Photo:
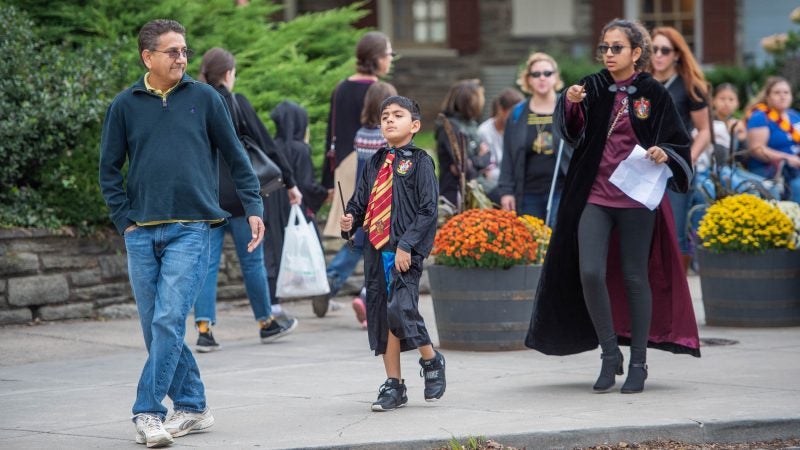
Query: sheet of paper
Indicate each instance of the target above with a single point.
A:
(641, 179)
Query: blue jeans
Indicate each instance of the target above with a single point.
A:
(344, 263)
(167, 264)
(253, 271)
(680, 203)
(792, 178)
(536, 205)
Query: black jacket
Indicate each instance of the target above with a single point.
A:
(512, 167)
(415, 193)
(344, 120)
(291, 122)
(249, 124)
(466, 131)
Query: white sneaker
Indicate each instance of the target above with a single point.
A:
(150, 430)
(184, 422)
(334, 306)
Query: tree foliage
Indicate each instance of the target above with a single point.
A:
(47, 97)
(66, 59)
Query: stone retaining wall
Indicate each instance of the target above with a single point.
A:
(53, 275)
(58, 275)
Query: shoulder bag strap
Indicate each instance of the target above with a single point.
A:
(236, 115)
(331, 152)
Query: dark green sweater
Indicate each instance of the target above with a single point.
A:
(172, 147)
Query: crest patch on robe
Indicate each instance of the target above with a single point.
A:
(404, 166)
(642, 108)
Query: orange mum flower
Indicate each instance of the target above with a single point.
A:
(488, 238)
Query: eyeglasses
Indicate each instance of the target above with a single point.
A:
(663, 50)
(537, 74)
(616, 49)
(174, 53)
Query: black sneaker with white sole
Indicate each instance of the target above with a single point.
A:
(206, 343)
(433, 373)
(391, 395)
(277, 330)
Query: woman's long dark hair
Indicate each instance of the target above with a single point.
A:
(371, 48)
(376, 94)
(216, 63)
(464, 100)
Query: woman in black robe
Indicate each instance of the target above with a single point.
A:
(603, 117)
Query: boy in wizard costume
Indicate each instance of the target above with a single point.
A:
(396, 203)
(603, 234)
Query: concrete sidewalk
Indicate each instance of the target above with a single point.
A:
(71, 385)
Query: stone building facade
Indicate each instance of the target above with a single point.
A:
(442, 41)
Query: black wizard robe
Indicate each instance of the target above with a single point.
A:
(560, 324)
(415, 191)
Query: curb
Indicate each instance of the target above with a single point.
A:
(695, 432)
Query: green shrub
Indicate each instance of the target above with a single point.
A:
(573, 69)
(301, 60)
(83, 54)
(748, 80)
(47, 97)
(51, 104)
(24, 207)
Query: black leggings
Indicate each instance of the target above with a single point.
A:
(635, 229)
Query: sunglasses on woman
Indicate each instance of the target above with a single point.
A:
(663, 50)
(537, 74)
(616, 49)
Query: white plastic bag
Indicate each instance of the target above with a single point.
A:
(302, 272)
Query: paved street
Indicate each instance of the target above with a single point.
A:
(71, 385)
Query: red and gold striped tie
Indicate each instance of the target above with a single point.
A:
(379, 210)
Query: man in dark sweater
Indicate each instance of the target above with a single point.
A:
(171, 130)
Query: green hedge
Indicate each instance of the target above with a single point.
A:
(66, 60)
(51, 106)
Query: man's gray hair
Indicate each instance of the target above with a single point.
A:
(152, 31)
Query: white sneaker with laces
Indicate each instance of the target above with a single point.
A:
(334, 306)
(184, 422)
(150, 431)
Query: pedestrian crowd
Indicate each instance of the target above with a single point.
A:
(615, 270)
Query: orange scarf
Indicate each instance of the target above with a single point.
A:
(779, 119)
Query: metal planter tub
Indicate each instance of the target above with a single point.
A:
(483, 309)
(751, 289)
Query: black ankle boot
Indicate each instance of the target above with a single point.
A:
(637, 373)
(612, 365)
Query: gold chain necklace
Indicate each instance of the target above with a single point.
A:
(619, 114)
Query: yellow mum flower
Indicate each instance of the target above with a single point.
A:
(746, 223)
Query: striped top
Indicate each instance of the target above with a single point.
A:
(367, 142)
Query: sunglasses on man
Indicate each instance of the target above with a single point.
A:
(174, 53)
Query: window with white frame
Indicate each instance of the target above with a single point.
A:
(679, 14)
(419, 22)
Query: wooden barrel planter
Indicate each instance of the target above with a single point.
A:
(483, 309)
(751, 289)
